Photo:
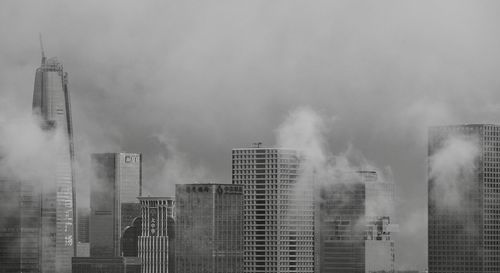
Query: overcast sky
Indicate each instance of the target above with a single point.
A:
(184, 82)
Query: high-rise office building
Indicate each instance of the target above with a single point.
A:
(156, 246)
(340, 227)
(209, 228)
(380, 224)
(31, 227)
(51, 102)
(10, 226)
(116, 184)
(354, 224)
(278, 219)
(379, 246)
(464, 198)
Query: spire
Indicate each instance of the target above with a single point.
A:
(41, 48)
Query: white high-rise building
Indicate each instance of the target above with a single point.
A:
(278, 220)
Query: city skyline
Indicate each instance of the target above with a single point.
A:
(184, 83)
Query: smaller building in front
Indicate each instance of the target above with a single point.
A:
(106, 264)
(83, 245)
(209, 228)
(355, 224)
(156, 249)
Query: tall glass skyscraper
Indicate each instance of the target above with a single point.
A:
(464, 198)
(354, 217)
(51, 102)
(116, 184)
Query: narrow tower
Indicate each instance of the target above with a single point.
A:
(51, 103)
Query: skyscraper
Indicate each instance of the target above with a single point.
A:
(51, 102)
(464, 198)
(209, 228)
(340, 227)
(380, 224)
(278, 220)
(116, 184)
(354, 217)
(10, 226)
(156, 242)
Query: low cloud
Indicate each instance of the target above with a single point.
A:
(453, 170)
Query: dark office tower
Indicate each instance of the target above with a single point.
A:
(156, 240)
(10, 226)
(115, 187)
(464, 198)
(51, 102)
(354, 214)
(209, 228)
(341, 227)
(278, 220)
(130, 238)
(31, 223)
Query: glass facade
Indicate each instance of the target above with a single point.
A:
(340, 213)
(113, 200)
(83, 225)
(465, 238)
(52, 103)
(10, 226)
(209, 228)
(354, 214)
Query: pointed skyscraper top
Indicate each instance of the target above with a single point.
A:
(41, 48)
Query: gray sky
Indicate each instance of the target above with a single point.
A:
(183, 82)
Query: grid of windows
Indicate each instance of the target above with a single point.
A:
(468, 241)
(51, 102)
(114, 190)
(156, 240)
(209, 228)
(278, 221)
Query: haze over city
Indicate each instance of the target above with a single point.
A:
(184, 82)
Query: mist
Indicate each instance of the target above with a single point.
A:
(306, 131)
(453, 168)
(27, 152)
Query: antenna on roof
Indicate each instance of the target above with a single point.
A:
(257, 144)
(41, 48)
